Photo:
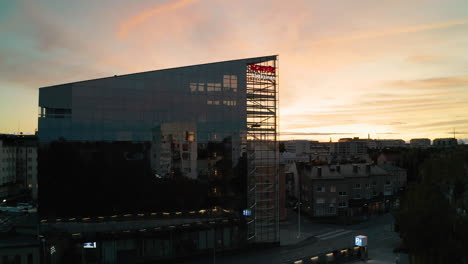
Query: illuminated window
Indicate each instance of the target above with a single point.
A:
(234, 83)
(230, 83)
(193, 87)
(47, 112)
(190, 136)
(213, 87)
(201, 87)
(210, 87)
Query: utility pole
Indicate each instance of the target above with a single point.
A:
(299, 208)
(214, 246)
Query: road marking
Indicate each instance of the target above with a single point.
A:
(329, 233)
(335, 235)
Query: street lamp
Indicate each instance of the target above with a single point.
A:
(299, 209)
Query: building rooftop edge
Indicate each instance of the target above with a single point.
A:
(173, 68)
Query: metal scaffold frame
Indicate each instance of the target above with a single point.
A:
(262, 151)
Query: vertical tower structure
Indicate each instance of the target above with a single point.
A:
(262, 151)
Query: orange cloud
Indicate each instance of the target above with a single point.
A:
(395, 31)
(133, 21)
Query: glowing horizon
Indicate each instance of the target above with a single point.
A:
(391, 70)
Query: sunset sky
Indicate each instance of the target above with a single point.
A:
(394, 69)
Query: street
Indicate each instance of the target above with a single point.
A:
(317, 238)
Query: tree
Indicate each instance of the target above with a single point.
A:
(432, 218)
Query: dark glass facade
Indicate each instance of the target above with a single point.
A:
(173, 142)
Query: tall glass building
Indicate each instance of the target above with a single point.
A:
(183, 143)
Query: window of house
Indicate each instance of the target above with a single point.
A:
(357, 186)
(342, 193)
(367, 185)
(342, 204)
(320, 200)
(320, 189)
(357, 196)
(332, 188)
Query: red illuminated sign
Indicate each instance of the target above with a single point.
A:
(259, 68)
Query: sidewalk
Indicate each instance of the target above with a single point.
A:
(288, 237)
(379, 260)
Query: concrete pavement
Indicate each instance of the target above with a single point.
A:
(323, 238)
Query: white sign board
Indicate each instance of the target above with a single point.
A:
(360, 241)
(89, 245)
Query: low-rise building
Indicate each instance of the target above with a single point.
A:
(349, 147)
(349, 189)
(391, 158)
(445, 142)
(18, 165)
(298, 146)
(19, 242)
(420, 143)
(390, 143)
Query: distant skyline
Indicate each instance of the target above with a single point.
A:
(393, 69)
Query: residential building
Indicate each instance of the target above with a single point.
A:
(350, 148)
(390, 143)
(420, 143)
(348, 190)
(18, 166)
(445, 142)
(299, 147)
(392, 158)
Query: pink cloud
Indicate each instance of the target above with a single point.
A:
(135, 20)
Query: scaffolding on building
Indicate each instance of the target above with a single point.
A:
(262, 151)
